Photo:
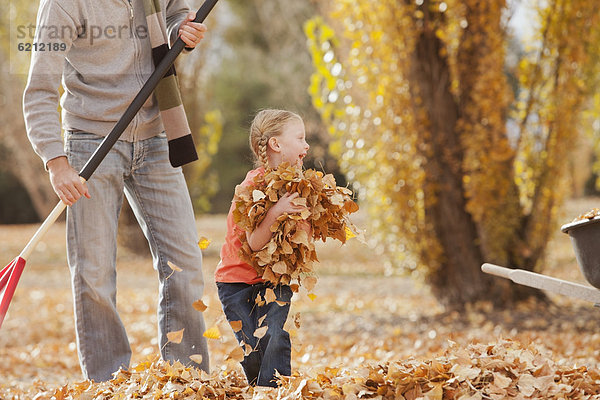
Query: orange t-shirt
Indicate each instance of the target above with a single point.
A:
(231, 268)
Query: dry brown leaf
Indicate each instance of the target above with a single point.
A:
(176, 336)
(174, 267)
(199, 305)
(262, 319)
(270, 295)
(197, 358)
(291, 252)
(237, 354)
(236, 325)
(260, 332)
(310, 283)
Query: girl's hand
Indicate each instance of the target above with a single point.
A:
(260, 236)
(285, 205)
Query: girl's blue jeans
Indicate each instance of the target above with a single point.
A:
(272, 352)
(158, 195)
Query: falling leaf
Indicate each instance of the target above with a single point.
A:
(310, 283)
(297, 320)
(174, 267)
(349, 233)
(199, 305)
(197, 358)
(312, 296)
(237, 354)
(203, 243)
(175, 337)
(212, 333)
(260, 332)
(236, 325)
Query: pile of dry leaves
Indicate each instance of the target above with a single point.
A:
(503, 370)
(591, 214)
(290, 253)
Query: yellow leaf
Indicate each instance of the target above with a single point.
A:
(312, 296)
(203, 243)
(175, 337)
(349, 233)
(236, 325)
(199, 306)
(212, 333)
(197, 358)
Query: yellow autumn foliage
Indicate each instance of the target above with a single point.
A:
(505, 131)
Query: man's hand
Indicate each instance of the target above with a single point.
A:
(191, 32)
(66, 182)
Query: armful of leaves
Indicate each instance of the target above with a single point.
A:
(290, 253)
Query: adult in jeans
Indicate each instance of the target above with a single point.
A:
(103, 57)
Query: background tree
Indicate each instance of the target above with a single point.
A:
(455, 167)
(265, 64)
(19, 165)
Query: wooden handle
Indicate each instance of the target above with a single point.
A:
(496, 270)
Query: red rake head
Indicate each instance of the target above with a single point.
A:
(9, 277)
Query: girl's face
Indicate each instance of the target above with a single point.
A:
(290, 146)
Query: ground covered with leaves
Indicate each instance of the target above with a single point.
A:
(365, 333)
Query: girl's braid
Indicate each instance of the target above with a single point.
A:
(262, 150)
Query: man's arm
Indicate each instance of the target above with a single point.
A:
(41, 95)
(41, 98)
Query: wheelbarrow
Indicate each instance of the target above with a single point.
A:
(585, 238)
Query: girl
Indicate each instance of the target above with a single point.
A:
(276, 136)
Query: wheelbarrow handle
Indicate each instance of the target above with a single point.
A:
(496, 270)
(543, 282)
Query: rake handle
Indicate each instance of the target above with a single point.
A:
(139, 100)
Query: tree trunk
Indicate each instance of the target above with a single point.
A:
(22, 161)
(459, 279)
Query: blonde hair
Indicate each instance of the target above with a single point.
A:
(266, 124)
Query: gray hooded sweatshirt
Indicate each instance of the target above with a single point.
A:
(101, 52)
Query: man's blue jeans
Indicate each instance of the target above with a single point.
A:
(158, 195)
(272, 352)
